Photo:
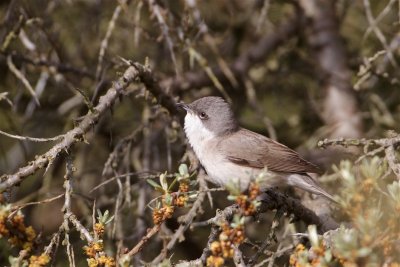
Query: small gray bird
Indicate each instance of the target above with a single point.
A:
(233, 156)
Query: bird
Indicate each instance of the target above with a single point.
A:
(232, 155)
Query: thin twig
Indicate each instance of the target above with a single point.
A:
(104, 43)
(154, 230)
(68, 215)
(74, 135)
(378, 32)
(22, 78)
(187, 220)
(383, 144)
(33, 139)
(156, 9)
(48, 200)
(253, 55)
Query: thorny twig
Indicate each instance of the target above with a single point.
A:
(48, 200)
(54, 242)
(67, 210)
(388, 145)
(68, 215)
(75, 135)
(53, 66)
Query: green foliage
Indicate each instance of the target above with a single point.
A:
(369, 199)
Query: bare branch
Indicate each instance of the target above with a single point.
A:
(187, 220)
(75, 134)
(154, 230)
(22, 78)
(33, 139)
(388, 145)
(252, 55)
(104, 43)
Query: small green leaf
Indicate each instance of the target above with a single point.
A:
(168, 199)
(154, 184)
(183, 169)
(172, 184)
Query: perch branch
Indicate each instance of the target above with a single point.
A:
(274, 200)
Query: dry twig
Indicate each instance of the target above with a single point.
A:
(76, 134)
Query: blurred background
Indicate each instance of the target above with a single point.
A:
(296, 71)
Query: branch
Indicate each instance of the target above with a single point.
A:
(143, 241)
(388, 145)
(59, 67)
(68, 215)
(22, 78)
(74, 135)
(33, 139)
(187, 220)
(148, 79)
(104, 43)
(274, 200)
(270, 200)
(157, 11)
(251, 56)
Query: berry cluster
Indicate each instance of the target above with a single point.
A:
(18, 234)
(248, 203)
(163, 213)
(95, 250)
(223, 248)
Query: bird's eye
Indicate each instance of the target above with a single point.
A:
(203, 115)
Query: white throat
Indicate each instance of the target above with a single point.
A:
(197, 133)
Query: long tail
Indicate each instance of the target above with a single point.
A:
(308, 184)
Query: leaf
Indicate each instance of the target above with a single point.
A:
(183, 169)
(172, 184)
(154, 184)
(168, 199)
(163, 181)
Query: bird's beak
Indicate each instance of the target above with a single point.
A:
(184, 106)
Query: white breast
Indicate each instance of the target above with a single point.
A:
(219, 170)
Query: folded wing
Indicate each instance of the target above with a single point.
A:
(250, 149)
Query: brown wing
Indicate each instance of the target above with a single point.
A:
(250, 149)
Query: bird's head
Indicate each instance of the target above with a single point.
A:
(210, 115)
